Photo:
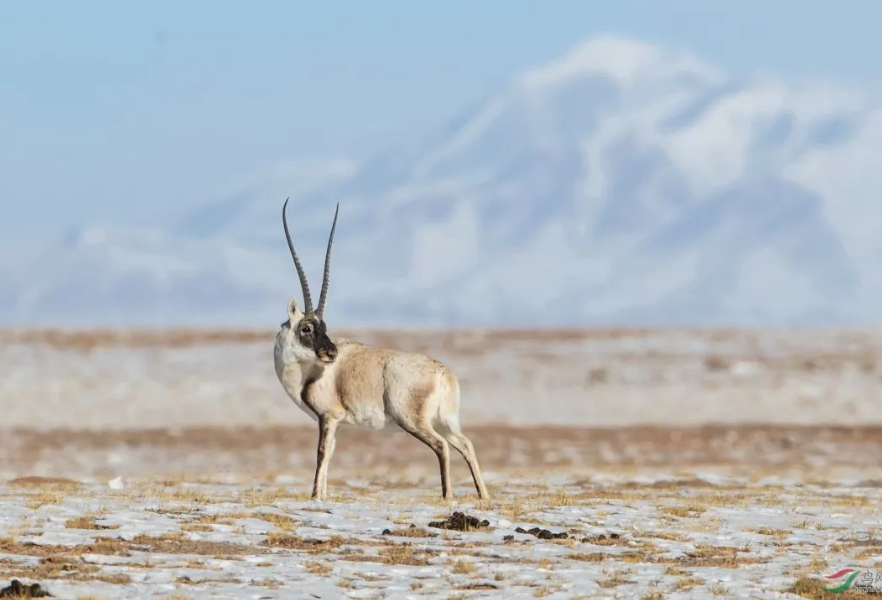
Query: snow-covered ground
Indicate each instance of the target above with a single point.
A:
(679, 464)
(700, 533)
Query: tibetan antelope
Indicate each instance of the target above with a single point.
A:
(342, 382)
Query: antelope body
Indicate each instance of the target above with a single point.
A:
(342, 382)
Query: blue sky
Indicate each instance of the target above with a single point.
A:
(125, 112)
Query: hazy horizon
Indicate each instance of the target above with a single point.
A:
(680, 163)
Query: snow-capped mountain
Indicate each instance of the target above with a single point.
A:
(622, 183)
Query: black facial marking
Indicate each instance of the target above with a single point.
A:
(318, 340)
(313, 333)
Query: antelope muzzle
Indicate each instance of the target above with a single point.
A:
(325, 349)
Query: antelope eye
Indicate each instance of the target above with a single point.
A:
(306, 329)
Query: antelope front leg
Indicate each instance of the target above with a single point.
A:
(329, 452)
(326, 444)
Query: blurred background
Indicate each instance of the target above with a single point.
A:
(600, 214)
(501, 164)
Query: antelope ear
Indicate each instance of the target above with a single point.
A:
(294, 313)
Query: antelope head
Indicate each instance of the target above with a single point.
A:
(304, 334)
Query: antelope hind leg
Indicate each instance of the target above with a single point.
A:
(464, 446)
(433, 440)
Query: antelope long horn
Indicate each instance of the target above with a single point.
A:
(304, 285)
(323, 298)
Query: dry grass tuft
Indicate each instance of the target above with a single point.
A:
(254, 498)
(687, 583)
(317, 568)
(283, 522)
(554, 499)
(403, 554)
(224, 518)
(412, 532)
(115, 578)
(43, 497)
(296, 542)
(60, 567)
(463, 567)
(189, 495)
(814, 589)
(715, 556)
(86, 522)
(615, 580)
(668, 535)
(177, 543)
(51, 567)
(693, 511)
(610, 541)
(777, 533)
(593, 557)
(197, 527)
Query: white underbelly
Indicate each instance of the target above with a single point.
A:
(374, 420)
(390, 427)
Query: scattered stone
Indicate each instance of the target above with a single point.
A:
(460, 522)
(16, 589)
(507, 538)
(387, 532)
(544, 534)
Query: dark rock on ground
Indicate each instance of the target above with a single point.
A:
(544, 534)
(16, 589)
(460, 522)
